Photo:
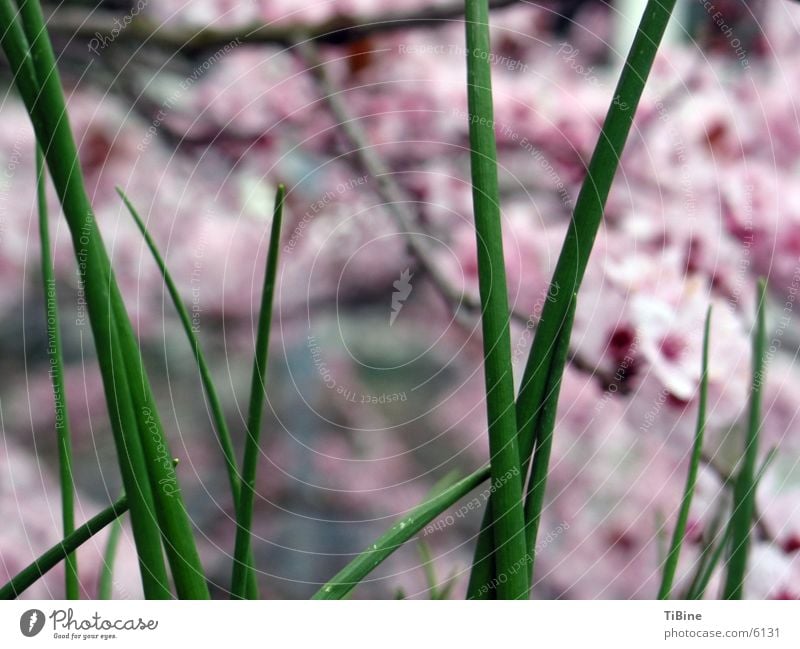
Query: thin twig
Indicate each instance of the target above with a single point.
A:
(77, 24)
(394, 198)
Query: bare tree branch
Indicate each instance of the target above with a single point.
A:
(395, 200)
(398, 205)
(105, 26)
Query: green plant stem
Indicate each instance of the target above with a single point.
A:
(483, 562)
(66, 178)
(133, 467)
(537, 485)
(54, 348)
(172, 517)
(214, 402)
(356, 571)
(744, 492)
(105, 585)
(679, 533)
(587, 215)
(215, 405)
(426, 557)
(698, 589)
(162, 510)
(579, 240)
(31, 574)
(508, 528)
(711, 555)
(242, 567)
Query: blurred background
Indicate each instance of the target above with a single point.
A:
(375, 388)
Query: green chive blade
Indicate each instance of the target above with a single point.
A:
(679, 533)
(54, 349)
(242, 568)
(741, 521)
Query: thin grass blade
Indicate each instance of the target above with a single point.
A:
(105, 585)
(578, 243)
(215, 405)
(426, 558)
(679, 533)
(537, 485)
(617, 126)
(54, 350)
(55, 555)
(483, 562)
(713, 553)
(140, 432)
(242, 566)
(508, 527)
(715, 556)
(402, 531)
(588, 214)
(744, 493)
(67, 179)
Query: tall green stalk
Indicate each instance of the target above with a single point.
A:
(66, 178)
(537, 485)
(712, 554)
(508, 521)
(744, 491)
(574, 255)
(242, 565)
(157, 510)
(173, 521)
(54, 349)
(105, 585)
(145, 462)
(215, 404)
(679, 533)
(578, 243)
(588, 214)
